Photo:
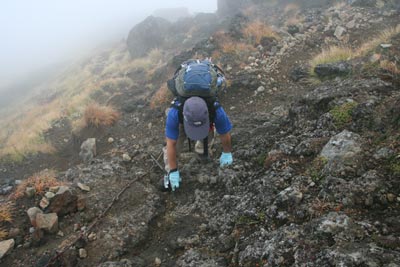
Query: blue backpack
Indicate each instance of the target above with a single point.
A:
(197, 78)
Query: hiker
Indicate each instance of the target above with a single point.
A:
(195, 113)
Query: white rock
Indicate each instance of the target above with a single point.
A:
(49, 195)
(82, 253)
(83, 187)
(157, 261)
(126, 157)
(6, 246)
(384, 46)
(261, 89)
(44, 203)
(351, 24)
(110, 140)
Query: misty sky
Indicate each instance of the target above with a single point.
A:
(35, 33)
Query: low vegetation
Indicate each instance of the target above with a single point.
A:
(96, 115)
(40, 182)
(342, 115)
(105, 74)
(6, 218)
(334, 54)
(162, 96)
(257, 30)
(315, 169)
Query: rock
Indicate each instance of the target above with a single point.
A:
(54, 189)
(110, 140)
(126, 157)
(333, 69)
(14, 232)
(64, 202)
(124, 263)
(385, 46)
(391, 197)
(49, 195)
(343, 154)
(147, 35)
(44, 203)
(383, 153)
(47, 222)
(83, 187)
(6, 246)
(260, 89)
(92, 236)
(81, 203)
(297, 73)
(88, 150)
(339, 32)
(157, 261)
(293, 29)
(30, 192)
(363, 3)
(82, 253)
(351, 24)
(32, 212)
(6, 190)
(37, 237)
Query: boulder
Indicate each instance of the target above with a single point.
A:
(6, 246)
(64, 201)
(343, 154)
(88, 149)
(32, 212)
(147, 35)
(328, 70)
(47, 222)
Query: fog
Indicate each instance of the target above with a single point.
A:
(37, 34)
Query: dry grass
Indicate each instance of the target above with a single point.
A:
(381, 38)
(97, 115)
(3, 234)
(162, 96)
(257, 30)
(40, 181)
(390, 67)
(6, 211)
(330, 55)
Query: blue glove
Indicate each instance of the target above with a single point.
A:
(174, 179)
(226, 159)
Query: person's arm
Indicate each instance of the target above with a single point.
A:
(171, 153)
(226, 142)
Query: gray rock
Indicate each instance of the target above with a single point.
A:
(49, 195)
(123, 263)
(383, 153)
(64, 202)
(82, 253)
(343, 154)
(30, 192)
(6, 246)
(339, 31)
(351, 24)
(88, 150)
(333, 69)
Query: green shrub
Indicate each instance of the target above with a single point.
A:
(342, 115)
(314, 171)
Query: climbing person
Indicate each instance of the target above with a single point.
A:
(195, 113)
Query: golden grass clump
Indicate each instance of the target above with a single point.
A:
(257, 30)
(162, 96)
(381, 38)
(97, 115)
(389, 66)
(40, 181)
(3, 234)
(330, 55)
(6, 211)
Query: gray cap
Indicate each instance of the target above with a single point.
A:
(196, 121)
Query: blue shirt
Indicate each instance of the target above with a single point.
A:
(222, 123)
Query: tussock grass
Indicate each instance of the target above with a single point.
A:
(343, 53)
(41, 181)
(390, 67)
(257, 30)
(381, 38)
(330, 55)
(21, 131)
(3, 234)
(162, 96)
(97, 115)
(6, 211)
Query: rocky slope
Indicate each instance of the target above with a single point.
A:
(315, 179)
